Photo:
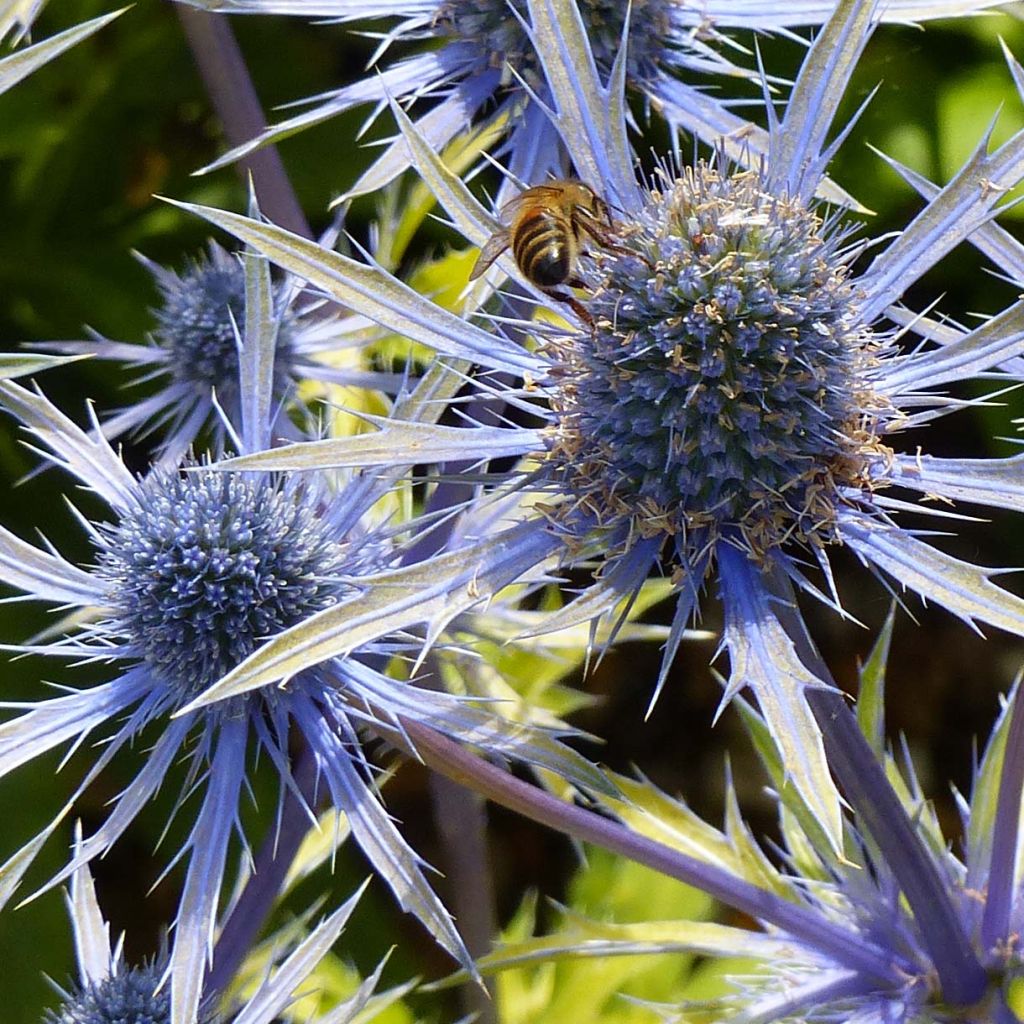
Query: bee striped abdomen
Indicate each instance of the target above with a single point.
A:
(542, 248)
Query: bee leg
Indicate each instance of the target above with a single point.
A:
(604, 235)
(572, 302)
(580, 310)
(620, 250)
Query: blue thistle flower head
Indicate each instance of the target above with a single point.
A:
(657, 38)
(204, 565)
(128, 997)
(194, 349)
(110, 991)
(197, 323)
(722, 388)
(484, 56)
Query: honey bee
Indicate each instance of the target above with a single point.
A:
(546, 229)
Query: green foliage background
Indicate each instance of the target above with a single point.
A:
(84, 145)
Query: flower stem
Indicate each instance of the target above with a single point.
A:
(845, 947)
(233, 95)
(461, 818)
(459, 813)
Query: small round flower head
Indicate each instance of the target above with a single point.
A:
(197, 568)
(728, 395)
(193, 351)
(128, 997)
(498, 28)
(197, 323)
(109, 991)
(204, 565)
(488, 58)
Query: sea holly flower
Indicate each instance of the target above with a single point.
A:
(110, 991)
(865, 952)
(193, 572)
(487, 65)
(727, 398)
(193, 351)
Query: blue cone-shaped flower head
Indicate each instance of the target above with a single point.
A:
(110, 991)
(196, 323)
(204, 565)
(485, 66)
(129, 997)
(195, 571)
(723, 388)
(728, 395)
(193, 353)
(658, 37)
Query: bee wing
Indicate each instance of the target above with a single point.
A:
(554, 192)
(493, 248)
(507, 210)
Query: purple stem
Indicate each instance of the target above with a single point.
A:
(461, 819)
(264, 885)
(814, 930)
(233, 95)
(995, 922)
